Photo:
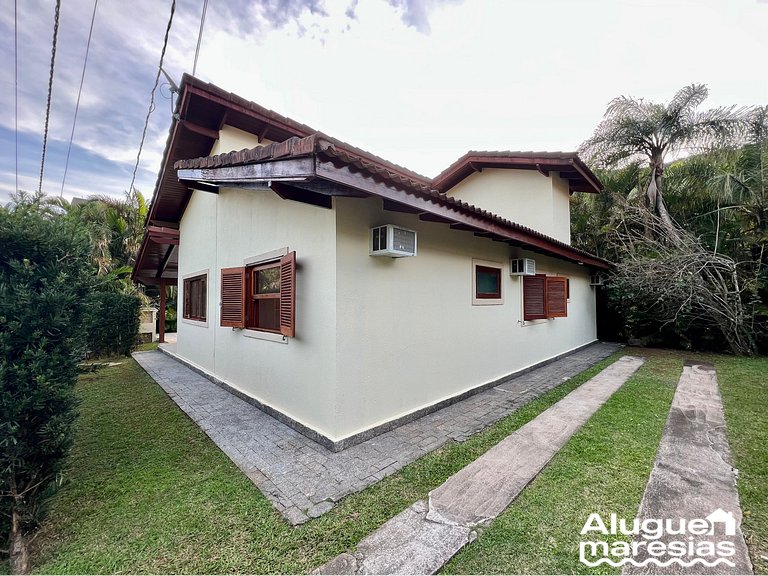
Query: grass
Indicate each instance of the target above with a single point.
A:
(605, 466)
(145, 347)
(744, 388)
(148, 492)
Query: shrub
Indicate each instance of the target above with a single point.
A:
(45, 279)
(112, 324)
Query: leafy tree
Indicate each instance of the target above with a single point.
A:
(45, 277)
(636, 129)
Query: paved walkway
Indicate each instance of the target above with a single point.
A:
(304, 479)
(425, 536)
(692, 476)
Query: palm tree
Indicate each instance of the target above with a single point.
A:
(635, 129)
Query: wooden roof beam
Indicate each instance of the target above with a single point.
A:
(201, 130)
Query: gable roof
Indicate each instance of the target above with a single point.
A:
(338, 169)
(567, 164)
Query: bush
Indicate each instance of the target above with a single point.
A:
(45, 279)
(112, 324)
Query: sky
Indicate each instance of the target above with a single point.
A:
(417, 82)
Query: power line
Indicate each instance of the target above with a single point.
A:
(16, 85)
(79, 92)
(200, 35)
(50, 90)
(152, 94)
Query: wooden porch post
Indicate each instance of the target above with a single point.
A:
(162, 311)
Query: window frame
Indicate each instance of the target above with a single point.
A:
(189, 313)
(251, 307)
(236, 293)
(487, 298)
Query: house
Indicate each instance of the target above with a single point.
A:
(274, 234)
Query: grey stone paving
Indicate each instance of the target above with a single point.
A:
(422, 538)
(692, 478)
(304, 479)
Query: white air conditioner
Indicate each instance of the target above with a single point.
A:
(522, 267)
(596, 280)
(393, 241)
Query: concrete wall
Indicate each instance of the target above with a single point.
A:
(526, 197)
(408, 334)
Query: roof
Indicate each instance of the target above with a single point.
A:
(567, 164)
(369, 178)
(201, 111)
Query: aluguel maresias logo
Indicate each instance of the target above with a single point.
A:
(664, 542)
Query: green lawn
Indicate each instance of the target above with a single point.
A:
(605, 466)
(148, 492)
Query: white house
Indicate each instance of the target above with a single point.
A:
(275, 234)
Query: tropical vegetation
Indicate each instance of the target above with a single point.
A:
(65, 292)
(684, 216)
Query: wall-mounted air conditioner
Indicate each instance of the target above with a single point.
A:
(596, 280)
(393, 241)
(522, 267)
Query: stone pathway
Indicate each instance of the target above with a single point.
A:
(424, 537)
(692, 476)
(304, 479)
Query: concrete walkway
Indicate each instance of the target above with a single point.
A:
(692, 476)
(425, 536)
(304, 479)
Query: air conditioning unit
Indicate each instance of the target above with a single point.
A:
(393, 241)
(596, 280)
(522, 267)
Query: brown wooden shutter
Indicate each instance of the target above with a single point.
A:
(187, 300)
(233, 297)
(557, 297)
(288, 295)
(534, 297)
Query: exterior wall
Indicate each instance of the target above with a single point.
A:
(296, 375)
(232, 139)
(408, 335)
(526, 197)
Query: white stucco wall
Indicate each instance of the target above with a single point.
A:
(297, 376)
(233, 139)
(526, 197)
(408, 335)
(376, 338)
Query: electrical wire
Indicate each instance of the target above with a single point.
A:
(50, 91)
(16, 85)
(200, 35)
(79, 92)
(152, 95)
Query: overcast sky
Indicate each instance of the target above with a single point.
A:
(418, 82)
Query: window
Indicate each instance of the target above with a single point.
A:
(195, 297)
(486, 283)
(545, 297)
(263, 306)
(261, 297)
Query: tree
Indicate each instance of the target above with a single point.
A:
(634, 129)
(45, 278)
(680, 283)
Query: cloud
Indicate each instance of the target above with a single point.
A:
(416, 12)
(247, 18)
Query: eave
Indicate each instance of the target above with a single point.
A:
(312, 164)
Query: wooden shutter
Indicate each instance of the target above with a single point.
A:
(557, 297)
(233, 297)
(534, 297)
(186, 306)
(288, 295)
